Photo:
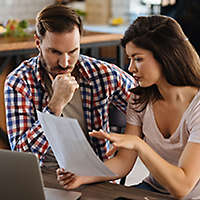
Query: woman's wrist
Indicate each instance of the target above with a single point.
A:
(139, 144)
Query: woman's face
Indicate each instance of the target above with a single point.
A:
(144, 67)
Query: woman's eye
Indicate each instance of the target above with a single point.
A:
(138, 59)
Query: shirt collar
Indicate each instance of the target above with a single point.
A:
(85, 67)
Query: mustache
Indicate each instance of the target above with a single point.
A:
(56, 68)
(59, 67)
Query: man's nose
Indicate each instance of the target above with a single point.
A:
(64, 60)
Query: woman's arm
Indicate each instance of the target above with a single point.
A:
(121, 164)
(125, 159)
(178, 180)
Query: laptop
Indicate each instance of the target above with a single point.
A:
(21, 179)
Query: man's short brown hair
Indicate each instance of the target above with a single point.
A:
(57, 18)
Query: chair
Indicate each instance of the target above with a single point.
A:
(4, 143)
(117, 120)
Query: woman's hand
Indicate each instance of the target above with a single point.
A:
(69, 180)
(125, 141)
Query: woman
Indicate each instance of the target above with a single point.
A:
(163, 116)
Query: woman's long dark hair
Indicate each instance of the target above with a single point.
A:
(179, 61)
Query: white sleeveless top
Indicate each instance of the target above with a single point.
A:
(171, 148)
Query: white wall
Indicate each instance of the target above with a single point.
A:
(120, 8)
(128, 9)
(21, 9)
(137, 174)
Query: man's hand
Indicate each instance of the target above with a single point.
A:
(64, 86)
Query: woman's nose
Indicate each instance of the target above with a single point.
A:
(132, 67)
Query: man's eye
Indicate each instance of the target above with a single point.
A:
(55, 52)
(72, 52)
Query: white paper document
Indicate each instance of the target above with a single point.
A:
(70, 146)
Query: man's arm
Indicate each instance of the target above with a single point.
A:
(23, 128)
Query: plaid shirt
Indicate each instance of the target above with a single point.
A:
(100, 84)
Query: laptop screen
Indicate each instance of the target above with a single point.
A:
(20, 179)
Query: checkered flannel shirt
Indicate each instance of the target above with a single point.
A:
(101, 83)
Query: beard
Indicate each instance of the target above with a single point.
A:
(57, 69)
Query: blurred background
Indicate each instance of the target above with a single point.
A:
(114, 13)
(97, 11)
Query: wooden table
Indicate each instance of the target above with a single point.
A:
(17, 48)
(108, 191)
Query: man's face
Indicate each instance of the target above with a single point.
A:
(59, 51)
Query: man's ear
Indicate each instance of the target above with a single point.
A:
(37, 41)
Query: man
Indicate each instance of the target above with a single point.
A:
(62, 82)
